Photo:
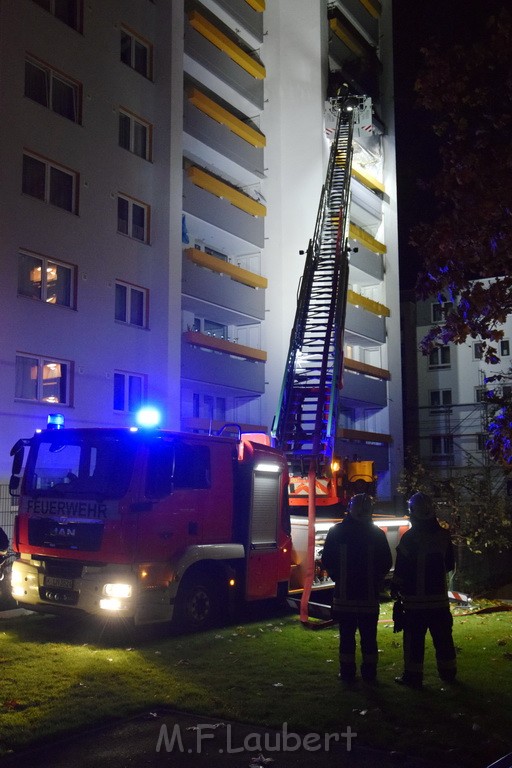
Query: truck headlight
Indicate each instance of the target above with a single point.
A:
(118, 590)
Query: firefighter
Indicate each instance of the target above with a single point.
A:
(424, 557)
(357, 556)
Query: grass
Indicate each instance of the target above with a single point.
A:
(59, 677)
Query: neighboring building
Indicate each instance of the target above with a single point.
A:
(447, 425)
(162, 166)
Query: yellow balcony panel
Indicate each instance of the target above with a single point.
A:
(221, 115)
(370, 370)
(369, 304)
(222, 345)
(369, 181)
(374, 7)
(359, 234)
(225, 191)
(347, 37)
(368, 437)
(225, 268)
(258, 5)
(224, 43)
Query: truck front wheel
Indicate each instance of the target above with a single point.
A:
(198, 603)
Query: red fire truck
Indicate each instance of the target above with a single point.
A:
(148, 524)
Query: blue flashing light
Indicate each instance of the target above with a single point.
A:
(148, 417)
(55, 421)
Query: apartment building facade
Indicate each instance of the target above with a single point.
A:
(162, 165)
(448, 414)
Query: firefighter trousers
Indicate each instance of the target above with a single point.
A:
(439, 622)
(366, 624)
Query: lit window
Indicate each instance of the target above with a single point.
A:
(131, 304)
(132, 218)
(46, 280)
(68, 11)
(136, 52)
(134, 135)
(439, 357)
(52, 90)
(42, 380)
(49, 183)
(128, 391)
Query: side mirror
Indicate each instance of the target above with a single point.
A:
(18, 454)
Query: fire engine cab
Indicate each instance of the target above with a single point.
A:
(148, 524)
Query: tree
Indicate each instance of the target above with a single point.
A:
(466, 251)
(469, 502)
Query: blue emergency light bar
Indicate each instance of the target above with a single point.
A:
(148, 417)
(55, 421)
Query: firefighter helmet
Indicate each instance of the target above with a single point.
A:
(360, 506)
(421, 507)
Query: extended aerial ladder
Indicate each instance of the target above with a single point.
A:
(305, 423)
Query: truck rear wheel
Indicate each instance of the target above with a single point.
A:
(198, 603)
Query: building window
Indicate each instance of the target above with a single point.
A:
(482, 441)
(52, 90)
(480, 394)
(50, 183)
(208, 407)
(440, 398)
(129, 391)
(134, 135)
(46, 280)
(131, 304)
(136, 52)
(68, 11)
(42, 380)
(478, 350)
(439, 311)
(504, 348)
(439, 357)
(442, 445)
(133, 218)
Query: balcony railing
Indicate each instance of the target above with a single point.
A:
(225, 191)
(225, 268)
(366, 240)
(223, 345)
(369, 370)
(223, 116)
(225, 44)
(369, 304)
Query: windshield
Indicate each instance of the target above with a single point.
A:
(63, 465)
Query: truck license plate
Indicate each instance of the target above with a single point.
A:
(54, 581)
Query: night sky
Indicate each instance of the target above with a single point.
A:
(415, 23)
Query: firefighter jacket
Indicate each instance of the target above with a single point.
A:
(424, 557)
(356, 556)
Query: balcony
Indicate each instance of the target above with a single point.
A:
(215, 58)
(366, 205)
(355, 52)
(208, 280)
(364, 15)
(216, 138)
(221, 205)
(363, 327)
(364, 389)
(211, 360)
(205, 426)
(244, 15)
